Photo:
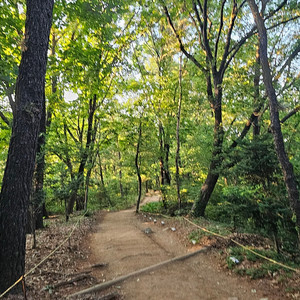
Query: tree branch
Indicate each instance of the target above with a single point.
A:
(288, 61)
(182, 48)
(4, 118)
(70, 133)
(253, 31)
(273, 12)
(223, 65)
(198, 31)
(290, 114)
(204, 33)
(220, 29)
(239, 44)
(198, 15)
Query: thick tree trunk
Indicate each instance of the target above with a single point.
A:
(17, 180)
(287, 168)
(206, 191)
(138, 172)
(216, 160)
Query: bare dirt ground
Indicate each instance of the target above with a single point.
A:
(120, 242)
(112, 244)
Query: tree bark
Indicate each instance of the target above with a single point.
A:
(106, 194)
(120, 175)
(255, 123)
(17, 180)
(86, 153)
(216, 160)
(164, 156)
(177, 158)
(138, 171)
(286, 166)
(90, 163)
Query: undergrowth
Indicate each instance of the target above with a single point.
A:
(238, 259)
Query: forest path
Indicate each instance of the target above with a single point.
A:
(120, 241)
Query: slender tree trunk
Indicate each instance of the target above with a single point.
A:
(106, 195)
(86, 193)
(120, 175)
(91, 163)
(101, 171)
(138, 172)
(163, 179)
(161, 158)
(256, 80)
(177, 158)
(286, 166)
(18, 175)
(164, 156)
(166, 164)
(165, 176)
(86, 153)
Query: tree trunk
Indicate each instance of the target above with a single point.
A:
(106, 195)
(86, 153)
(87, 183)
(255, 123)
(177, 158)
(165, 178)
(216, 160)
(120, 176)
(286, 166)
(91, 163)
(164, 157)
(166, 164)
(17, 180)
(138, 172)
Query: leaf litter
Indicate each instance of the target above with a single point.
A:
(63, 273)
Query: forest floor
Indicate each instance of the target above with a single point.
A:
(113, 244)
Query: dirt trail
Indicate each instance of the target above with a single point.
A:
(121, 242)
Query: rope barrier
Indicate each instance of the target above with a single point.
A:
(244, 247)
(47, 257)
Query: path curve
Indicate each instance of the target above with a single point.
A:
(121, 242)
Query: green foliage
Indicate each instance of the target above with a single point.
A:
(153, 207)
(256, 161)
(254, 198)
(236, 256)
(125, 55)
(255, 266)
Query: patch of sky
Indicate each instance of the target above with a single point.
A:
(70, 96)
